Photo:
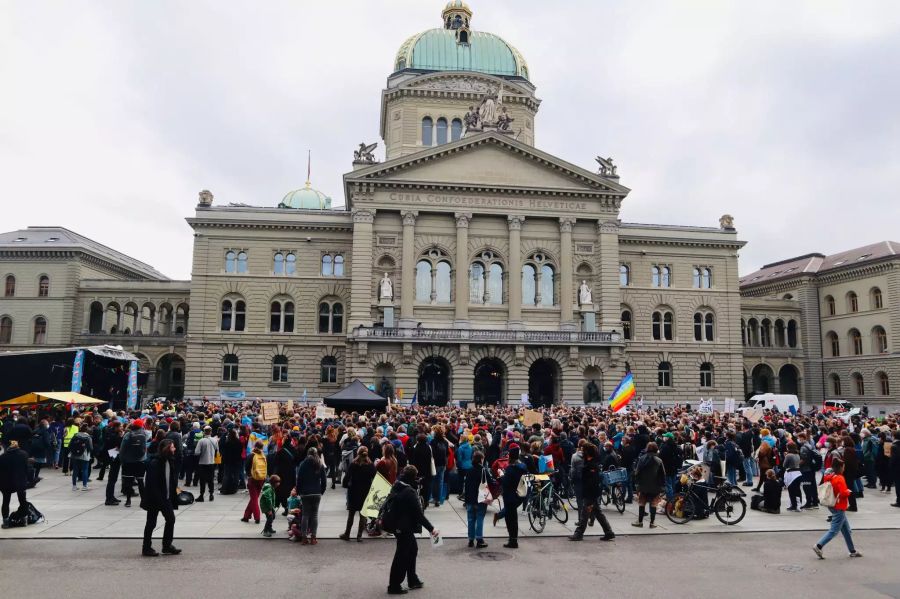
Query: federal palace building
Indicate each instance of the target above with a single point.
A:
(468, 264)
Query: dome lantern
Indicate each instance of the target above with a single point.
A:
(456, 16)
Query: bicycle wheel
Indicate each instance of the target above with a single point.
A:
(559, 509)
(730, 510)
(604, 495)
(534, 516)
(679, 509)
(618, 497)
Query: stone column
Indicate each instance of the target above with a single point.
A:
(610, 294)
(515, 270)
(408, 269)
(565, 272)
(87, 319)
(361, 268)
(462, 269)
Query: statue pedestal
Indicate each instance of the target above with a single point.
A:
(387, 308)
(588, 319)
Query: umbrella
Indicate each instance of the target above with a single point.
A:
(36, 397)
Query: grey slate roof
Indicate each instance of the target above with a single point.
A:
(820, 263)
(59, 238)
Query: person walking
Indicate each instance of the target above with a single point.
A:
(359, 480)
(80, 448)
(133, 452)
(258, 471)
(206, 451)
(590, 505)
(509, 484)
(839, 521)
(159, 497)
(477, 475)
(650, 478)
(112, 440)
(13, 478)
(405, 519)
(70, 431)
(311, 483)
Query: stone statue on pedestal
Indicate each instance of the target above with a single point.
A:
(584, 295)
(387, 288)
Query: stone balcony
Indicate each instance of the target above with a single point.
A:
(499, 336)
(784, 352)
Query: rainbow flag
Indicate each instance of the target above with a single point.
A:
(623, 393)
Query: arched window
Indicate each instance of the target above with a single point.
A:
(338, 265)
(547, 286)
(441, 131)
(280, 369)
(624, 275)
(331, 318)
(834, 343)
(327, 265)
(242, 262)
(876, 302)
(626, 324)
(852, 302)
(423, 281)
(665, 276)
(835, 384)
(44, 286)
(290, 264)
(856, 342)
(433, 277)
(10, 290)
(792, 333)
(829, 306)
(230, 261)
(281, 317)
(654, 276)
(427, 131)
(662, 321)
(706, 375)
(476, 283)
(704, 326)
(40, 331)
(765, 333)
(706, 278)
(456, 128)
(859, 385)
(753, 332)
(744, 333)
(278, 264)
(494, 291)
(234, 313)
(5, 330)
(529, 287)
(779, 333)
(664, 374)
(696, 277)
(486, 280)
(230, 364)
(879, 340)
(538, 281)
(328, 373)
(884, 387)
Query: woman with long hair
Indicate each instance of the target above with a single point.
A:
(331, 453)
(360, 477)
(311, 484)
(839, 522)
(475, 509)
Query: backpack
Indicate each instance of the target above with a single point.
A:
(827, 496)
(77, 445)
(387, 515)
(815, 460)
(26, 514)
(134, 449)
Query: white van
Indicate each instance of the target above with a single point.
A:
(770, 401)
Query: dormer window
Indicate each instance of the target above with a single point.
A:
(462, 36)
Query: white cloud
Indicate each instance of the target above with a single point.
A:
(114, 115)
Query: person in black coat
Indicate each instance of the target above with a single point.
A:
(590, 505)
(112, 439)
(509, 483)
(359, 480)
(13, 477)
(160, 490)
(284, 463)
(410, 521)
(421, 458)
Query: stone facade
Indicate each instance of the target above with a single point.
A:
(847, 312)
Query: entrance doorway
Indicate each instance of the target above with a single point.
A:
(788, 379)
(763, 379)
(170, 377)
(543, 383)
(490, 375)
(434, 382)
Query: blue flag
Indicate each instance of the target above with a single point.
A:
(414, 398)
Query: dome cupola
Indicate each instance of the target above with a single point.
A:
(306, 198)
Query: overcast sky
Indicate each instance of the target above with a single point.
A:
(114, 114)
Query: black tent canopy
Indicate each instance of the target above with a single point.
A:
(356, 396)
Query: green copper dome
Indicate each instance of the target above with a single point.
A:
(306, 198)
(457, 48)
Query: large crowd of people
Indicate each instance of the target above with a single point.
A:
(431, 453)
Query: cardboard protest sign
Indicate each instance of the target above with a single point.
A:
(324, 412)
(268, 412)
(532, 417)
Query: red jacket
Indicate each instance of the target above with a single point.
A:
(840, 490)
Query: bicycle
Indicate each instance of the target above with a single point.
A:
(612, 487)
(728, 504)
(543, 502)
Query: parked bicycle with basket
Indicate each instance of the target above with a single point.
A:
(693, 501)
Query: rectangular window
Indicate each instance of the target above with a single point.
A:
(230, 372)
